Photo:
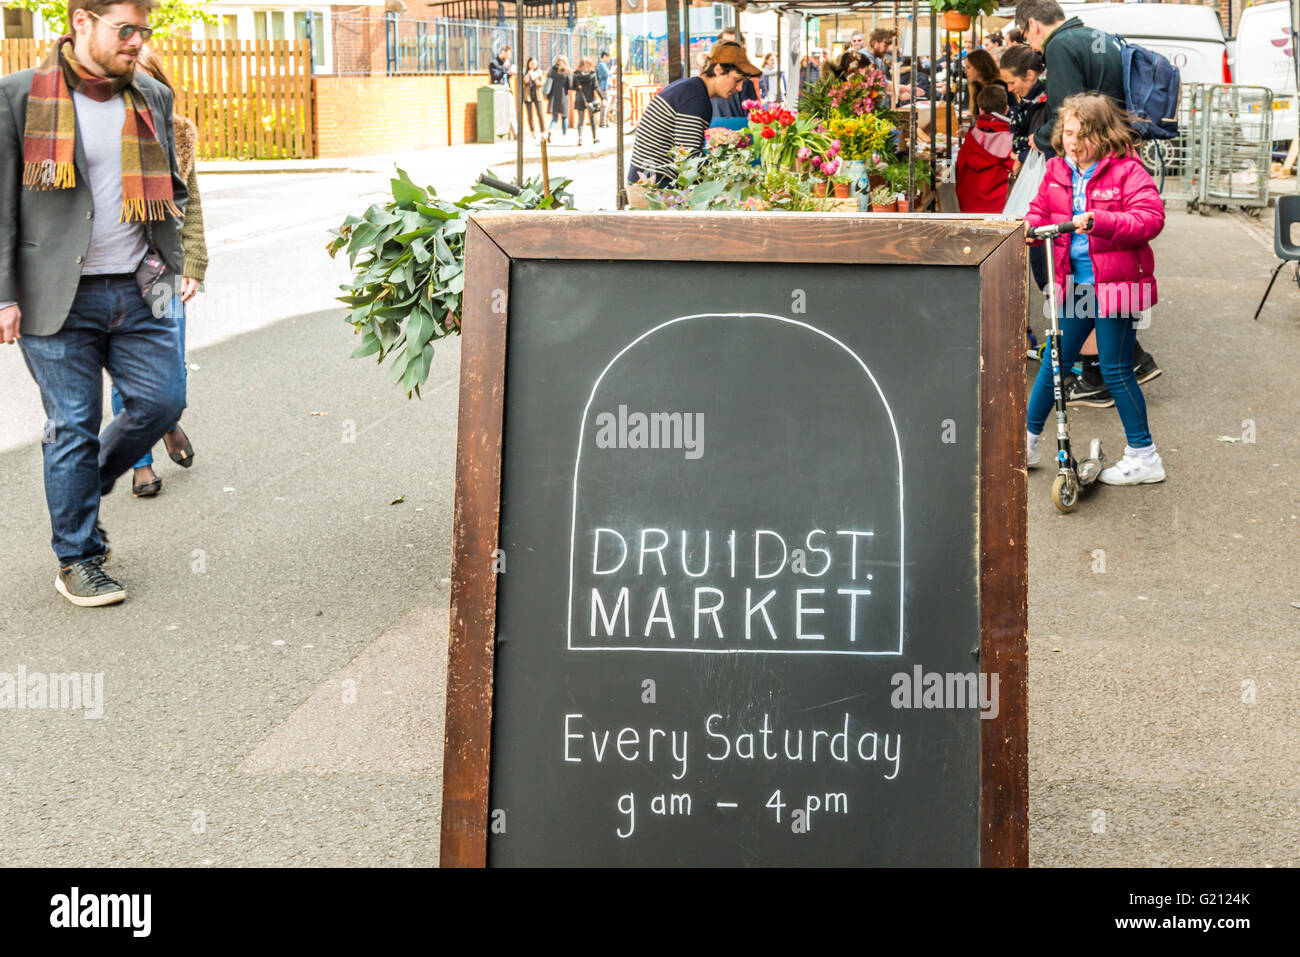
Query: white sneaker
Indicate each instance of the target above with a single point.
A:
(1031, 446)
(1134, 470)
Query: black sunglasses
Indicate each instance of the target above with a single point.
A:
(125, 30)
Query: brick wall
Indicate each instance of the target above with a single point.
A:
(360, 115)
(462, 107)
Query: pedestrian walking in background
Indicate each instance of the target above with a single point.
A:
(586, 95)
(604, 73)
(1105, 270)
(810, 69)
(90, 222)
(768, 84)
(499, 73)
(556, 89)
(146, 483)
(532, 81)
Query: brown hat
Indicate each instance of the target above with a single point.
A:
(731, 53)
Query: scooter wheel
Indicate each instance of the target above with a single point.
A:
(1065, 495)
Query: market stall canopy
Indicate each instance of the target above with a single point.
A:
(502, 10)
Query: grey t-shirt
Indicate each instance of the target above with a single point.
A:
(115, 247)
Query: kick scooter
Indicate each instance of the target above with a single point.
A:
(1071, 477)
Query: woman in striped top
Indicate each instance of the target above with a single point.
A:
(680, 113)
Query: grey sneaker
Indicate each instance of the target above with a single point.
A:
(86, 584)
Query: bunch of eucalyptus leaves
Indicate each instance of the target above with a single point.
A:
(408, 263)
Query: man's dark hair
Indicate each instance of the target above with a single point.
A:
(1015, 36)
(1046, 12)
(995, 37)
(992, 99)
(882, 35)
(97, 7)
(603, 54)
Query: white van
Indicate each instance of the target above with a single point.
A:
(1265, 56)
(1188, 34)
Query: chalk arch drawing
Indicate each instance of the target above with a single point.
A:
(577, 468)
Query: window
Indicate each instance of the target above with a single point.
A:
(268, 24)
(226, 28)
(719, 16)
(301, 19)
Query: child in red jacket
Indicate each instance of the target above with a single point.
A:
(985, 159)
(1104, 270)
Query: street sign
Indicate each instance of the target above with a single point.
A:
(740, 564)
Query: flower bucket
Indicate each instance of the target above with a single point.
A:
(956, 21)
(819, 188)
(902, 206)
(881, 209)
(841, 190)
(855, 170)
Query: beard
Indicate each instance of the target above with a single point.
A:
(109, 57)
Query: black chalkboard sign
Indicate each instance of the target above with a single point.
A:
(740, 543)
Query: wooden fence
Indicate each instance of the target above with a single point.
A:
(250, 99)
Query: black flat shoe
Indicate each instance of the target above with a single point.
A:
(185, 457)
(147, 489)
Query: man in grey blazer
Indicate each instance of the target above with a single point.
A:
(71, 244)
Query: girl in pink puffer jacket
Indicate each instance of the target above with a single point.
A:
(1105, 271)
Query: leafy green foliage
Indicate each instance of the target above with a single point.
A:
(167, 18)
(727, 177)
(972, 8)
(408, 262)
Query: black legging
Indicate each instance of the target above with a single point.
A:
(529, 107)
(591, 109)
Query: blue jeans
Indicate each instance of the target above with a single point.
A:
(177, 312)
(564, 123)
(109, 326)
(1115, 338)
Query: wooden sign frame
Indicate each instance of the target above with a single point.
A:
(494, 240)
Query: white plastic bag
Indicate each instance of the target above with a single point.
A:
(1026, 185)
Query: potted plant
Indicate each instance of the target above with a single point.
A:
(957, 13)
(843, 185)
(882, 200)
(819, 188)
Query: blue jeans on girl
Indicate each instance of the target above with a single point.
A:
(1115, 338)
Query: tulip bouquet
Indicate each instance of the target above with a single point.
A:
(782, 138)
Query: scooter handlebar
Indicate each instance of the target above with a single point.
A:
(1056, 229)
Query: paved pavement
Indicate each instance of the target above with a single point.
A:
(273, 687)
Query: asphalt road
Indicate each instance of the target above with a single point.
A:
(272, 689)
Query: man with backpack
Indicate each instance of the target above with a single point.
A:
(1078, 59)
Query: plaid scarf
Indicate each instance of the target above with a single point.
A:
(49, 138)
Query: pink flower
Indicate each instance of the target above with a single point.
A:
(750, 105)
(831, 168)
(804, 153)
